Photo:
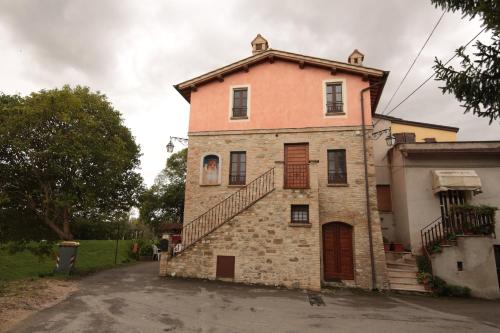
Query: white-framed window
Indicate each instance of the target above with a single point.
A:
(334, 97)
(239, 102)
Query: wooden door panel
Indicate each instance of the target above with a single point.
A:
(225, 267)
(337, 252)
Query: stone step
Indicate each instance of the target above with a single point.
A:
(405, 287)
(404, 280)
(401, 274)
(401, 266)
(402, 263)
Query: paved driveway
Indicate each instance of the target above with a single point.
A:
(134, 299)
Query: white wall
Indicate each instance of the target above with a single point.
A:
(479, 268)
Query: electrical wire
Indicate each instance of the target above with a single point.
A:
(413, 63)
(430, 77)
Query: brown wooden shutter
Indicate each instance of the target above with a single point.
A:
(297, 165)
(405, 137)
(384, 202)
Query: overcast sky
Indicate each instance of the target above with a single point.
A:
(134, 51)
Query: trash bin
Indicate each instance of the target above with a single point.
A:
(66, 257)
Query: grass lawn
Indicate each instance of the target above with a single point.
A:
(92, 255)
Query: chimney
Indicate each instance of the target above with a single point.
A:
(259, 44)
(356, 58)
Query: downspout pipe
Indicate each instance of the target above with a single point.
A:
(367, 186)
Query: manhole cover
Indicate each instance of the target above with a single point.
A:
(316, 300)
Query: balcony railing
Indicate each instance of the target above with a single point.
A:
(337, 107)
(296, 176)
(337, 178)
(457, 222)
(239, 112)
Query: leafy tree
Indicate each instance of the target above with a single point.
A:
(164, 200)
(477, 83)
(64, 156)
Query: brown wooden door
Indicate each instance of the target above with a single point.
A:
(337, 252)
(297, 165)
(225, 267)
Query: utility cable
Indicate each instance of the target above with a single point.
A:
(413, 63)
(430, 77)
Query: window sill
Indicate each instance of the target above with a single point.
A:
(338, 185)
(333, 114)
(239, 118)
(234, 185)
(208, 185)
(299, 225)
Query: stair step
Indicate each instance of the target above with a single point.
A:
(405, 287)
(404, 280)
(401, 263)
(401, 274)
(402, 267)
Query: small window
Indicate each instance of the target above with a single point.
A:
(334, 102)
(337, 169)
(237, 170)
(384, 202)
(258, 47)
(300, 213)
(460, 266)
(240, 98)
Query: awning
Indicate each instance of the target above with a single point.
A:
(445, 180)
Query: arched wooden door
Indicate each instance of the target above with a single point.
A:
(337, 252)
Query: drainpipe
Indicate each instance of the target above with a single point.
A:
(367, 187)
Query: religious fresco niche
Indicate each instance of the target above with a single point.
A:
(210, 172)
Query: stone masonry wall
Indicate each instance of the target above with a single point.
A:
(267, 248)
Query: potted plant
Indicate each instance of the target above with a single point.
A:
(387, 245)
(425, 279)
(146, 252)
(397, 247)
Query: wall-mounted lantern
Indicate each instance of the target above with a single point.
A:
(170, 144)
(389, 139)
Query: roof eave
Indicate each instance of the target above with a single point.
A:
(257, 58)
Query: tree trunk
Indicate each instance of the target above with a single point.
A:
(65, 233)
(55, 228)
(66, 230)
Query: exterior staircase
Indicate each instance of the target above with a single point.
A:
(227, 209)
(402, 272)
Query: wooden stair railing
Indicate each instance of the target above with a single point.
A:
(227, 209)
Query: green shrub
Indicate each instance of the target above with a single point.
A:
(424, 277)
(423, 264)
(146, 250)
(441, 288)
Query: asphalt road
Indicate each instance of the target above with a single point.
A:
(135, 299)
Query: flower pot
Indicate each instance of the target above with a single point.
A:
(398, 247)
(145, 258)
(387, 247)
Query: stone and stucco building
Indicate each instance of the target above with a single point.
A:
(279, 173)
(420, 179)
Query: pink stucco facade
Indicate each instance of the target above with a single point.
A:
(281, 95)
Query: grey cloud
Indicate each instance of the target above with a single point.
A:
(77, 34)
(134, 51)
